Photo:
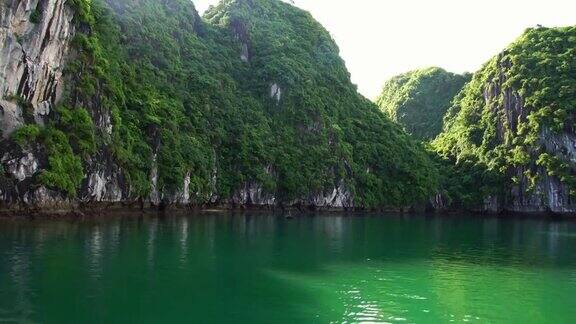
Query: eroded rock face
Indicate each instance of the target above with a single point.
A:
(22, 167)
(276, 92)
(438, 202)
(339, 198)
(34, 46)
(155, 196)
(34, 43)
(18, 190)
(549, 193)
(252, 194)
(241, 35)
(104, 182)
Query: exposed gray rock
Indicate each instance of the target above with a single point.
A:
(549, 194)
(10, 117)
(241, 34)
(155, 196)
(185, 196)
(491, 204)
(339, 197)
(252, 194)
(32, 57)
(245, 56)
(21, 167)
(103, 186)
(438, 202)
(45, 198)
(276, 92)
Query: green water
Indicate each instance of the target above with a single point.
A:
(266, 269)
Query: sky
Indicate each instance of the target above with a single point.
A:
(382, 38)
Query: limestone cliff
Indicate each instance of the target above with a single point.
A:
(144, 103)
(34, 43)
(34, 46)
(512, 133)
(534, 189)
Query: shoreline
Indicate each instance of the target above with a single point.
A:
(103, 210)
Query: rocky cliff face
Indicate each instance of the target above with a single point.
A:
(547, 193)
(34, 46)
(34, 43)
(512, 133)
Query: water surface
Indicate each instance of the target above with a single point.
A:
(261, 268)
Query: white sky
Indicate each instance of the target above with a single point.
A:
(381, 38)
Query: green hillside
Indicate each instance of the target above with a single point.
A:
(418, 100)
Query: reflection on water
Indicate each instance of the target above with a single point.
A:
(95, 247)
(19, 274)
(259, 267)
(151, 245)
(183, 229)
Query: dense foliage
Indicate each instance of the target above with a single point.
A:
(418, 100)
(322, 129)
(534, 80)
(64, 170)
(193, 97)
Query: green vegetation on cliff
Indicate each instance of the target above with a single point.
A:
(321, 122)
(418, 100)
(505, 120)
(256, 93)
